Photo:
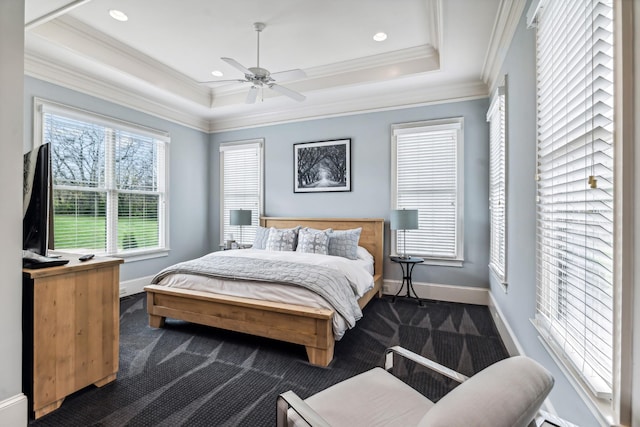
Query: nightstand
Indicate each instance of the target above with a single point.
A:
(407, 265)
(225, 248)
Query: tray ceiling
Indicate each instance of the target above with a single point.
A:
(435, 50)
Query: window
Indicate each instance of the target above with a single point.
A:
(498, 185)
(575, 187)
(109, 182)
(427, 176)
(241, 187)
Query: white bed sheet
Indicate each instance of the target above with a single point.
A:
(357, 272)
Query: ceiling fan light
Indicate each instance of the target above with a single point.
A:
(380, 37)
(217, 73)
(118, 15)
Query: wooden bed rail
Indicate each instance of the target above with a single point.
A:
(308, 326)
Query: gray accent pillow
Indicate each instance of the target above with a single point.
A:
(262, 234)
(313, 241)
(283, 239)
(344, 243)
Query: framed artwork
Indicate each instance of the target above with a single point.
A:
(322, 166)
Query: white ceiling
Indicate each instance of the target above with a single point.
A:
(436, 50)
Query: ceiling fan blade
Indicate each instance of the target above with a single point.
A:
(288, 92)
(252, 95)
(283, 76)
(224, 81)
(235, 64)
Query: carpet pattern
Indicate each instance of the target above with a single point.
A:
(192, 375)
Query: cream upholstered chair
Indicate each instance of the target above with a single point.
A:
(508, 393)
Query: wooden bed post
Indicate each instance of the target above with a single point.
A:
(154, 321)
(323, 354)
(319, 356)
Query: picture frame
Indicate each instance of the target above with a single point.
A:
(322, 166)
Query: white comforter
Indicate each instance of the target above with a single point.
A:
(358, 273)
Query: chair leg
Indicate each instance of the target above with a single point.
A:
(281, 412)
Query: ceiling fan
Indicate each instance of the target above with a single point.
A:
(260, 77)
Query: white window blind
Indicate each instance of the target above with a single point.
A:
(427, 176)
(241, 187)
(109, 184)
(575, 186)
(496, 117)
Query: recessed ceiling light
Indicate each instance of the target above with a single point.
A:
(379, 37)
(118, 15)
(217, 73)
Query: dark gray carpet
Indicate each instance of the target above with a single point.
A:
(191, 375)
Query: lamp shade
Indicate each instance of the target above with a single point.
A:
(404, 219)
(239, 217)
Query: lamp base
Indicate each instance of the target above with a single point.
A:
(404, 246)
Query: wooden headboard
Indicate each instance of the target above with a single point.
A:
(371, 238)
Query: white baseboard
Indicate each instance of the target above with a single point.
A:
(134, 286)
(511, 341)
(466, 295)
(504, 329)
(14, 411)
(450, 293)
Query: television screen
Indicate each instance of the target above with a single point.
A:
(36, 202)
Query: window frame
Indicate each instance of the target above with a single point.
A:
(498, 111)
(227, 146)
(453, 123)
(42, 106)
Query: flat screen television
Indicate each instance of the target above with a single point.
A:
(36, 226)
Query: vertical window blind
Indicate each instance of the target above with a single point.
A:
(497, 185)
(427, 177)
(108, 183)
(241, 187)
(575, 186)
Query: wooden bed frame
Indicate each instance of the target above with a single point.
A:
(311, 327)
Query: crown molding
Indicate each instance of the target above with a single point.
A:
(414, 60)
(408, 68)
(384, 59)
(504, 28)
(409, 98)
(62, 75)
(88, 44)
(434, 22)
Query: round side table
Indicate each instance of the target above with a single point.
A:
(407, 265)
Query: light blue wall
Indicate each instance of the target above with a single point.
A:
(519, 304)
(188, 175)
(13, 404)
(371, 178)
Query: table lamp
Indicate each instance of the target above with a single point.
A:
(404, 219)
(240, 217)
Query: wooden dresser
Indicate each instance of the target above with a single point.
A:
(71, 321)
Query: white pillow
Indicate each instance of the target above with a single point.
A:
(363, 253)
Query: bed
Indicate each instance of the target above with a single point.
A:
(309, 326)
